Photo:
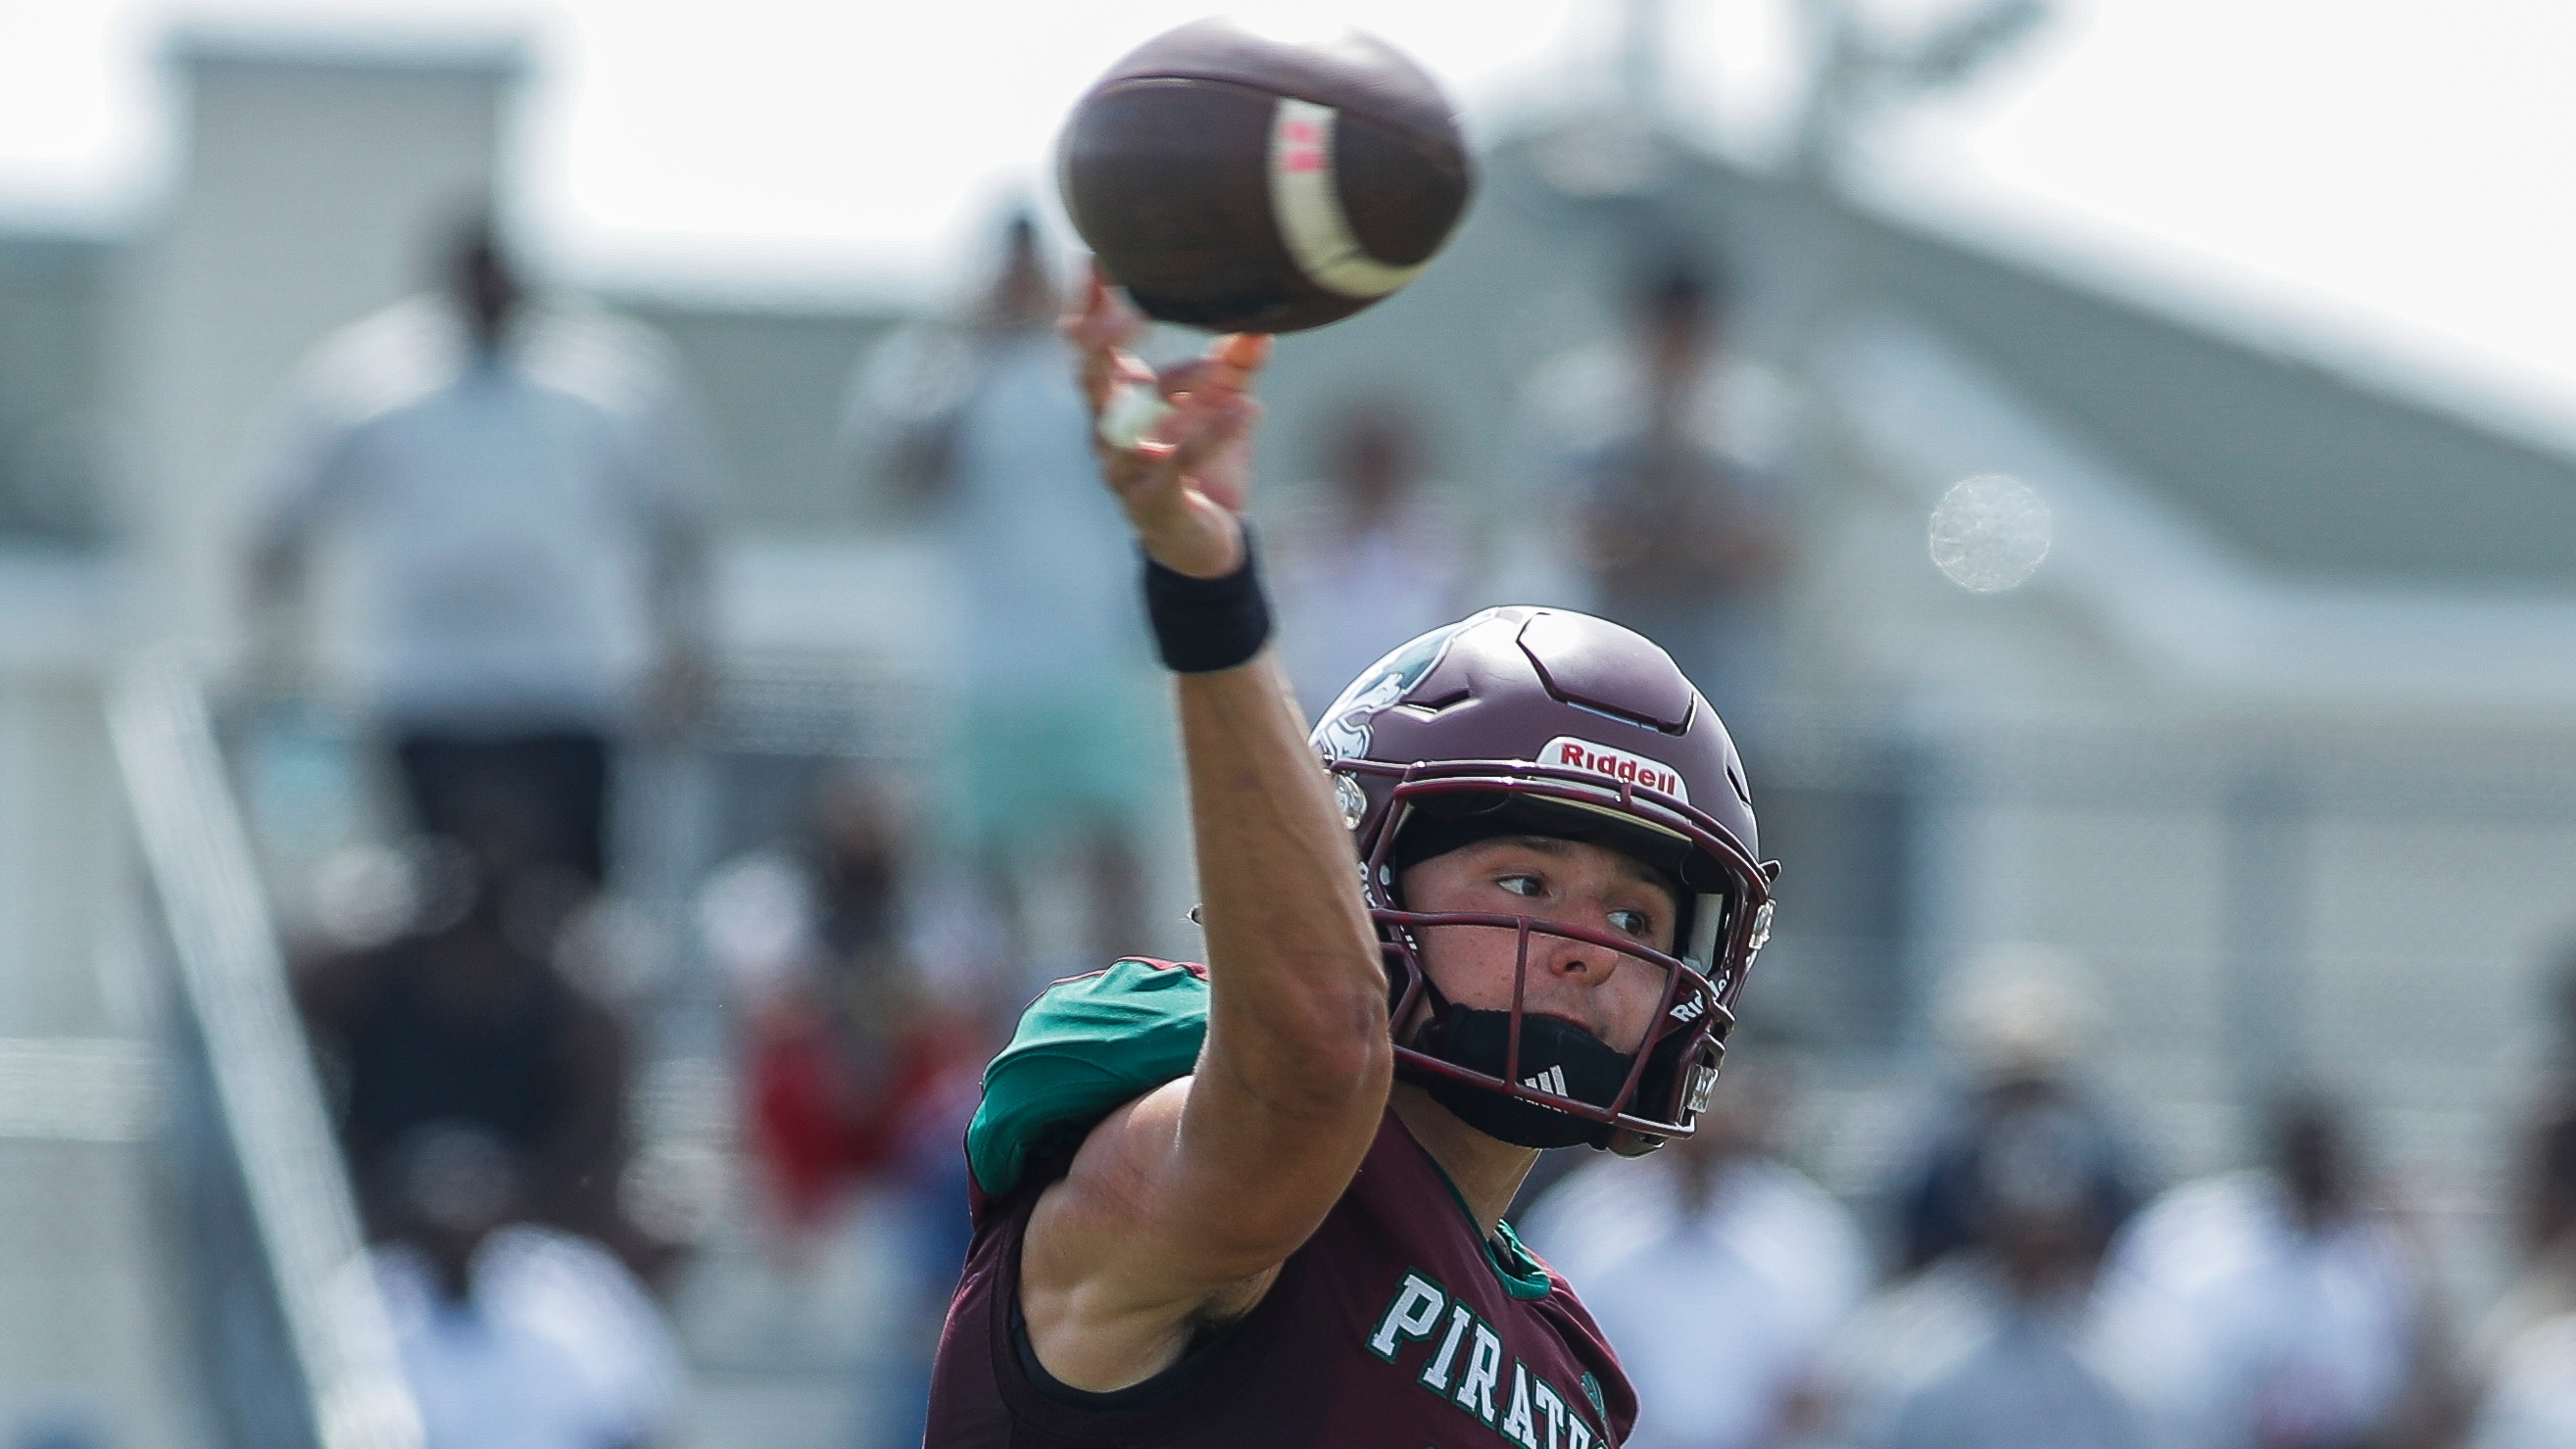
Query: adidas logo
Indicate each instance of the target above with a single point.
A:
(1551, 1080)
(1688, 1009)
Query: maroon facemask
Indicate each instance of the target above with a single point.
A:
(1541, 721)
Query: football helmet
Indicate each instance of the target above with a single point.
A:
(1533, 721)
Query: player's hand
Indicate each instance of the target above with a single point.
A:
(1187, 474)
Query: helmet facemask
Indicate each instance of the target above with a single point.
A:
(1540, 1081)
(1592, 729)
(1535, 1080)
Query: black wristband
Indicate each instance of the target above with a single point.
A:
(1204, 625)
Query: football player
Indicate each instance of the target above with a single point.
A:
(1259, 1202)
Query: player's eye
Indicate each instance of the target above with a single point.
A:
(1521, 885)
(1633, 923)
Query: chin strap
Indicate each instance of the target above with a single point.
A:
(1583, 1067)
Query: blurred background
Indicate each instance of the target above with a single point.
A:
(562, 677)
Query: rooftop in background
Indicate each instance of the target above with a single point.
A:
(2307, 469)
(2304, 467)
(371, 48)
(2300, 463)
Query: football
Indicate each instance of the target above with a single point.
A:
(1241, 183)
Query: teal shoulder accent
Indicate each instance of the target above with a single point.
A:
(1523, 1275)
(1085, 1047)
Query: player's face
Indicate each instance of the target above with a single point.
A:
(1610, 995)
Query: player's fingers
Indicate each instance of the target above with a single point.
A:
(1081, 319)
(1093, 291)
(1145, 467)
(1242, 354)
(1229, 365)
(1095, 366)
(1131, 416)
(1107, 304)
(1102, 323)
(1223, 473)
(1106, 371)
(1202, 375)
(1182, 379)
(1203, 427)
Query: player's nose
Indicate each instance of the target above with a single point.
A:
(1583, 962)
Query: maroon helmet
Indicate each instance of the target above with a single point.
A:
(1528, 721)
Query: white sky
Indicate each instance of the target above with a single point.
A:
(2384, 178)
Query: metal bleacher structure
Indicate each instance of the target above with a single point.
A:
(293, 1346)
(241, 1226)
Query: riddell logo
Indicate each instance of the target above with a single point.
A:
(1568, 753)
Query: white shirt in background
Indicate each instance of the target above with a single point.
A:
(1347, 596)
(501, 515)
(2243, 1329)
(2531, 1401)
(1954, 1358)
(558, 1347)
(1720, 1319)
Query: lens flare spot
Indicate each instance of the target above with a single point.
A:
(1990, 532)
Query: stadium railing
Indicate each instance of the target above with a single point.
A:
(296, 1347)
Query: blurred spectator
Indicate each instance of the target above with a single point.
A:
(2548, 1167)
(2280, 1307)
(2525, 1353)
(865, 1055)
(58, 1429)
(854, 1036)
(461, 1016)
(1372, 563)
(978, 423)
(1667, 459)
(1715, 1269)
(516, 481)
(2002, 1343)
(513, 1336)
(2019, 1017)
(2531, 1397)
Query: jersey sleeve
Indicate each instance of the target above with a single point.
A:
(1086, 1046)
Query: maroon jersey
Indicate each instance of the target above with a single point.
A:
(1396, 1326)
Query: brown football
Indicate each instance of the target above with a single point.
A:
(1240, 183)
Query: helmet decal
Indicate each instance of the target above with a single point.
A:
(1344, 731)
(1567, 752)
